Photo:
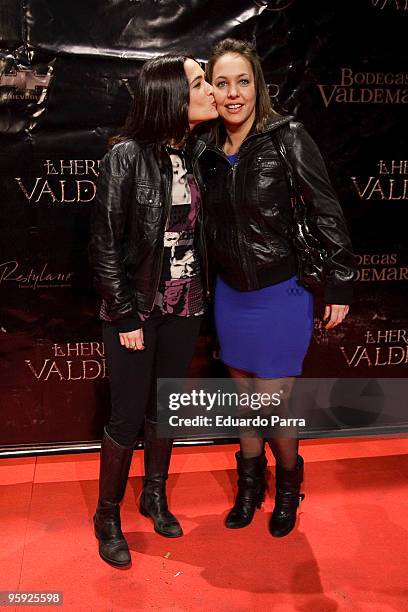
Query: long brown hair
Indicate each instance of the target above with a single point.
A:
(263, 107)
(159, 111)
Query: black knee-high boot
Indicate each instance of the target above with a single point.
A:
(251, 490)
(287, 499)
(114, 471)
(153, 501)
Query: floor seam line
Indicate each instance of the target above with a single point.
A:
(27, 522)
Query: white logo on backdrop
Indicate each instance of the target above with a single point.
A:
(274, 5)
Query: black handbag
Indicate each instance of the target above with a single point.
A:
(310, 254)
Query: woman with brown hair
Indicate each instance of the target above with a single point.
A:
(264, 319)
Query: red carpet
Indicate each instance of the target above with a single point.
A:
(348, 552)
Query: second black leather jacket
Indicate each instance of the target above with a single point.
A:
(248, 214)
(132, 206)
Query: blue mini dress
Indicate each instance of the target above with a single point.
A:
(266, 331)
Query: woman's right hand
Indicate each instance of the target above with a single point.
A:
(132, 340)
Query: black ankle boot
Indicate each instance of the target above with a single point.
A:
(251, 490)
(287, 499)
(153, 501)
(114, 471)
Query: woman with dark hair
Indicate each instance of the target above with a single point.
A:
(264, 319)
(146, 211)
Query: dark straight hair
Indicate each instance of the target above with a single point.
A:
(263, 107)
(159, 111)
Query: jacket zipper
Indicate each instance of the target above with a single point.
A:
(242, 255)
(205, 258)
(202, 233)
(159, 267)
(232, 170)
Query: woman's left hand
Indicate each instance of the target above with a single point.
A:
(334, 314)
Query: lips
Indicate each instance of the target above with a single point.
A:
(233, 108)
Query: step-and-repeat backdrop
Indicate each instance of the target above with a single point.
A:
(66, 71)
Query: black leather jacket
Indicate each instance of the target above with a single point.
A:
(132, 205)
(248, 214)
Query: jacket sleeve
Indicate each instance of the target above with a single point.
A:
(326, 214)
(108, 221)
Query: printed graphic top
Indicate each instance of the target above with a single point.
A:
(180, 290)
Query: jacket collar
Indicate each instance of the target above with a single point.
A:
(274, 123)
